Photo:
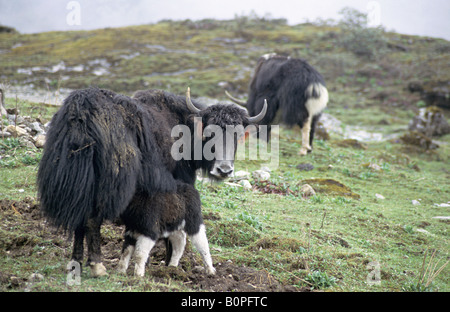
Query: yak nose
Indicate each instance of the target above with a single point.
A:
(225, 169)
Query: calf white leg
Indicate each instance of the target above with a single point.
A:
(144, 245)
(178, 241)
(125, 259)
(200, 242)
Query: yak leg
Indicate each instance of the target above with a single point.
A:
(178, 241)
(78, 247)
(144, 245)
(93, 239)
(200, 242)
(127, 252)
(314, 121)
(306, 130)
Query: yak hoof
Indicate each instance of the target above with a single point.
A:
(303, 151)
(122, 269)
(98, 269)
(211, 271)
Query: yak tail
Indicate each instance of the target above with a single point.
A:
(92, 161)
(316, 95)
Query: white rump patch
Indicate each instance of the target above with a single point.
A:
(268, 56)
(317, 96)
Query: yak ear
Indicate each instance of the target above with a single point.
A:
(198, 127)
(244, 138)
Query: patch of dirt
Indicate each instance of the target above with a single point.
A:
(31, 230)
(228, 277)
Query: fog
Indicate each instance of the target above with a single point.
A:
(416, 17)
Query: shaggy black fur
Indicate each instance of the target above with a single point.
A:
(164, 212)
(283, 82)
(100, 148)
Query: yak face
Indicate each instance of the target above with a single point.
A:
(221, 128)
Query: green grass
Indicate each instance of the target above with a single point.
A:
(326, 240)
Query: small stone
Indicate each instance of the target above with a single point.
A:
(198, 269)
(441, 218)
(374, 167)
(241, 174)
(5, 134)
(39, 140)
(422, 231)
(36, 126)
(379, 196)
(246, 184)
(415, 202)
(261, 175)
(232, 184)
(16, 131)
(36, 277)
(307, 190)
(443, 205)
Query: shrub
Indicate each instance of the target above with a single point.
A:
(357, 37)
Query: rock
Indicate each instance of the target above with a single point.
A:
(5, 134)
(430, 121)
(443, 205)
(415, 202)
(331, 124)
(418, 139)
(232, 184)
(242, 174)
(305, 167)
(261, 175)
(441, 218)
(36, 277)
(434, 93)
(373, 166)
(39, 141)
(16, 131)
(379, 196)
(307, 190)
(423, 231)
(246, 184)
(16, 120)
(37, 127)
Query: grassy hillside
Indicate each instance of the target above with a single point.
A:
(273, 237)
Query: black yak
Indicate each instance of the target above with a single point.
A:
(106, 153)
(293, 89)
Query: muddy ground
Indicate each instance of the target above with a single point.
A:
(23, 229)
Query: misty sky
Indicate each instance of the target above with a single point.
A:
(416, 17)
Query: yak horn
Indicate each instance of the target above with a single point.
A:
(189, 103)
(260, 116)
(235, 100)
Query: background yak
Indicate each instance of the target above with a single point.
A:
(106, 153)
(295, 91)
